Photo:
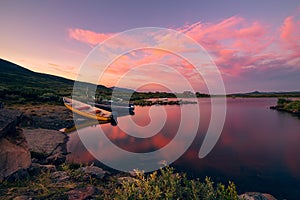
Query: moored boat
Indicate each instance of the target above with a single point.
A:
(114, 107)
(87, 110)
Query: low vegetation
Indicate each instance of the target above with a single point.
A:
(162, 184)
(288, 105)
(165, 184)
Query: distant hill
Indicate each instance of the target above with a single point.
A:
(18, 84)
(267, 94)
(12, 75)
(118, 89)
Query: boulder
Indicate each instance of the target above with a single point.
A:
(47, 146)
(14, 151)
(129, 179)
(36, 168)
(14, 155)
(9, 119)
(81, 193)
(256, 196)
(60, 176)
(22, 197)
(93, 171)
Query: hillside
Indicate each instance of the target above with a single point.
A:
(12, 75)
(19, 85)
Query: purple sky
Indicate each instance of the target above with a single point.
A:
(51, 36)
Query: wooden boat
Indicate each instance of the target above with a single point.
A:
(87, 110)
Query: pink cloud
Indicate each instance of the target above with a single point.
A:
(87, 36)
(241, 48)
(287, 29)
(290, 35)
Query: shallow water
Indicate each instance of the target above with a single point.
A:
(259, 148)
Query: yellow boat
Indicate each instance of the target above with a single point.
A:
(87, 110)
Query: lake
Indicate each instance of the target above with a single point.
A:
(259, 148)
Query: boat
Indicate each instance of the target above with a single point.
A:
(87, 110)
(120, 108)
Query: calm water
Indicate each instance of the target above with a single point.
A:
(259, 148)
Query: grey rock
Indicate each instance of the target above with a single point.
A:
(129, 179)
(81, 193)
(47, 146)
(45, 168)
(93, 171)
(23, 197)
(18, 175)
(9, 119)
(14, 153)
(256, 196)
(60, 176)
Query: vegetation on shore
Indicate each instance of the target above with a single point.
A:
(19, 85)
(287, 105)
(161, 184)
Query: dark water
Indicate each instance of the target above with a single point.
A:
(259, 148)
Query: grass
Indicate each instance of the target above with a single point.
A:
(161, 184)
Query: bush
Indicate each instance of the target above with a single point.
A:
(170, 185)
(49, 97)
(282, 101)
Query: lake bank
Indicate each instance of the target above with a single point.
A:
(254, 150)
(44, 174)
(44, 115)
(64, 180)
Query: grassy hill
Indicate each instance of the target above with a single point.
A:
(12, 75)
(19, 85)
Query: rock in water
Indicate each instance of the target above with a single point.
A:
(14, 151)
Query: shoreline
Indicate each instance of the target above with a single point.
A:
(37, 116)
(280, 109)
(44, 115)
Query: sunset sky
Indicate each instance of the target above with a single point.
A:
(255, 44)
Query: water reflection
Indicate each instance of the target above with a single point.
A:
(258, 148)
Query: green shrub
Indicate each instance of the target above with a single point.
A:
(49, 97)
(282, 101)
(169, 185)
(293, 106)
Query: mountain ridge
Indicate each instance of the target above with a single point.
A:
(14, 76)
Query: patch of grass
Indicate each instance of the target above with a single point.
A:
(161, 184)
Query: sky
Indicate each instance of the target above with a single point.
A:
(254, 44)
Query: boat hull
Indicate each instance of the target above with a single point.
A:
(88, 111)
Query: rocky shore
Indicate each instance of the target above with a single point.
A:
(33, 160)
(281, 109)
(36, 152)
